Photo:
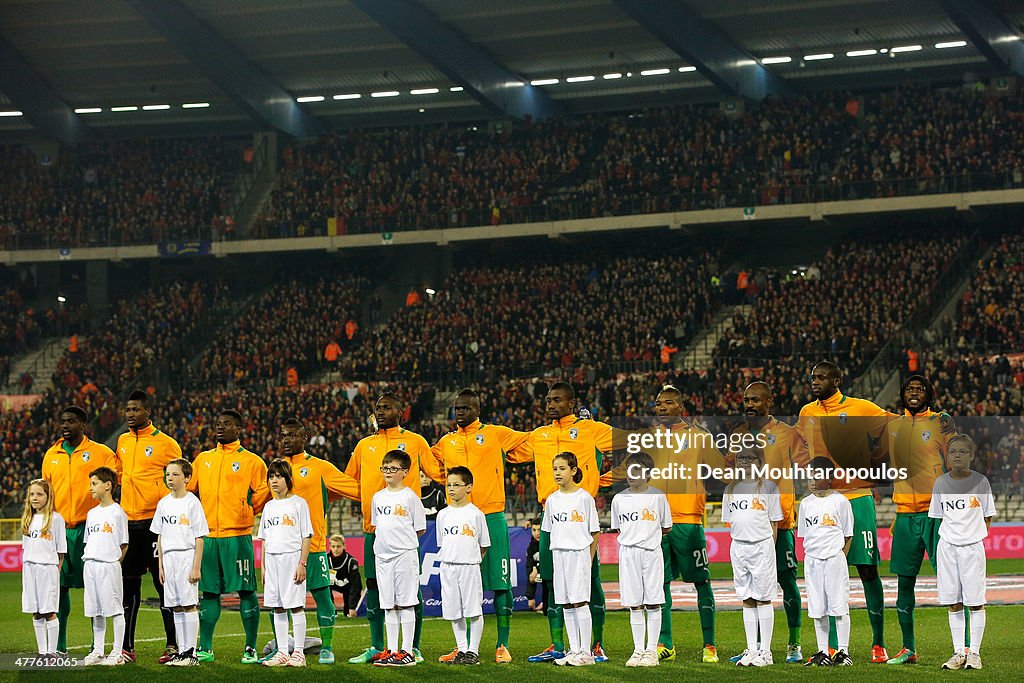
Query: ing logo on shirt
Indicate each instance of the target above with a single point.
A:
(576, 517)
(648, 516)
(400, 511)
(755, 504)
(468, 530)
(183, 520)
(287, 521)
(573, 516)
(975, 503)
(46, 536)
(97, 529)
(826, 520)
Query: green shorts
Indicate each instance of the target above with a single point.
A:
(785, 551)
(229, 565)
(686, 554)
(864, 547)
(318, 571)
(369, 561)
(71, 570)
(496, 567)
(913, 535)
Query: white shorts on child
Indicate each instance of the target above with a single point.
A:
(462, 591)
(178, 592)
(104, 596)
(572, 576)
(641, 576)
(279, 587)
(753, 570)
(961, 573)
(828, 586)
(40, 588)
(398, 580)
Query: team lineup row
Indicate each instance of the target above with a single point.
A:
(231, 484)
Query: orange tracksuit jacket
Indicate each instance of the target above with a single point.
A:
(483, 448)
(785, 449)
(316, 481)
(231, 483)
(69, 477)
(918, 444)
(144, 454)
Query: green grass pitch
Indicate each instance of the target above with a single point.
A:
(530, 635)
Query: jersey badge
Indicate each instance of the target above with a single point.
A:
(235, 466)
(843, 417)
(303, 471)
(925, 435)
(573, 433)
(86, 456)
(771, 439)
(149, 451)
(401, 446)
(480, 439)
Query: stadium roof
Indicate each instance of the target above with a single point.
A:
(252, 61)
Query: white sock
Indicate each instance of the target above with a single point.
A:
(821, 633)
(179, 630)
(191, 622)
(299, 630)
(407, 617)
(118, 620)
(52, 629)
(843, 632)
(585, 623)
(957, 626)
(571, 629)
(391, 624)
(637, 626)
(281, 632)
(977, 630)
(39, 626)
(750, 627)
(476, 633)
(461, 631)
(653, 629)
(99, 633)
(766, 624)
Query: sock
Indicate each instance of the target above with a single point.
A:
(503, 606)
(556, 623)
(99, 634)
(833, 635)
(52, 630)
(597, 603)
(874, 596)
(166, 613)
(706, 605)
(281, 632)
(750, 627)
(407, 617)
(209, 613)
(637, 626)
(585, 624)
(132, 600)
(392, 624)
(905, 601)
(191, 623)
(843, 633)
(179, 631)
(967, 628)
(375, 615)
(39, 626)
(791, 602)
(653, 629)
(476, 632)
(977, 630)
(325, 616)
(572, 629)
(766, 623)
(956, 628)
(249, 606)
(417, 622)
(461, 630)
(822, 631)
(665, 637)
(119, 629)
(63, 612)
(299, 630)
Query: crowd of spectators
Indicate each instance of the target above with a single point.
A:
(989, 314)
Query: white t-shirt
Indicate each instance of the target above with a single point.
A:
(962, 505)
(825, 524)
(283, 525)
(106, 530)
(571, 519)
(397, 516)
(640, 517)
(750, 508)
(42, 549)
(461, 533)
(179, 522)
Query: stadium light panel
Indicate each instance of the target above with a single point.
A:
(124, 109)
(155, 107)
(456, 88)
(310, 98)
(385, 93)
(424, 91)
(515, 84)
(11, 113)
(949, 44)
(348, 96)
(861, 53)
(195, 105)
(654, 72)
(687, 69)
(612, 76)
(62, 299)
(579, 79)
(906, 48)
(544, 81)
(776, 60)
(814, 58)
(89, 110)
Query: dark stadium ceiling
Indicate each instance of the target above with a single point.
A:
(105, 54)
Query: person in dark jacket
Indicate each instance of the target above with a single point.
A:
(432, 496)
(346, 579)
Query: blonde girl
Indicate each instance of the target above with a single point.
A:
(44, 545)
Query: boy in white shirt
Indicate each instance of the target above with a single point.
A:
(106, 541)
(962, 499)
(180, 525)
(286, 530)
(642, 516)
(463, 538)
(753, 510)
(400, 520)
(826, 525)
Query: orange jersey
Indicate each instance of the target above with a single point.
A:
(917, 444)
(231, 483)
(364, 465)
(316, 481)
(69, 477)
(144, 455)
(482, 448)
(784, 450)
(588, 440)
(845, 430)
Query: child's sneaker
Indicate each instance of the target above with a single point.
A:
(650, 658)
(748, 658)
(842, 658)
(382, 658)
(470, 658)
(403, 658)
(819, 659)
(973, 661)
(279, 659)
(634, 659)
(762, 658)
(955, 662)
(298, 658)
(93, 658)
(113, 659)
(583, 659)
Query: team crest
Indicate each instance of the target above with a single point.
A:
(401, 446)
(86, 456)
(926, 435)
(771, 439)
(573, 433)
(149, 451)
(304, 471)
(480, 439)
(235, 466)
(843, 417)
